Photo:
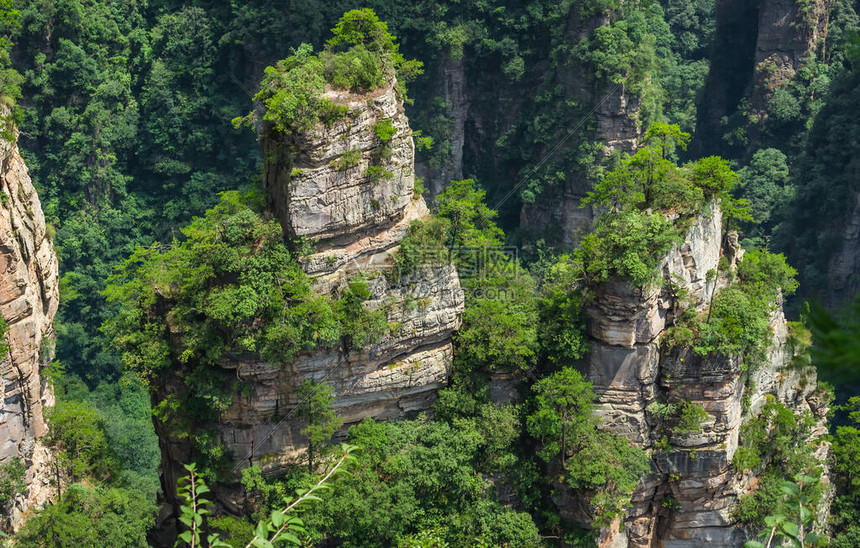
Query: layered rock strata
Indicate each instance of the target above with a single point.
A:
(28, 301)
(354, 220)
(631, 371)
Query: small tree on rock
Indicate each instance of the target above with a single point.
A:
(315, 406)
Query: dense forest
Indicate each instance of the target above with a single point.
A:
(199, 163)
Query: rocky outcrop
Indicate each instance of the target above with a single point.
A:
(28, 301)
(631, 371)
(791, 32)
(452, 90)
(556, 213)
(760, 46)
(354, 222)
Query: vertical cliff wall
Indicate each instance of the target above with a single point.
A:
(557, 213)
(28, 302)
(760, 47)
(632, 369)
(354, 220)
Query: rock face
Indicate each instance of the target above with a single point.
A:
(28, 301)
(790, 33)
(452, 89)
(760, 45)
(355, 223)
(630, 371)
(843, 271)
(557, 213)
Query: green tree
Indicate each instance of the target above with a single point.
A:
(794, 529)
(76, 430)
(90, 517)
(564, 403)
(604, 466)
(765, 184)
(471, 222)
(562, 335)
(315, 407)
(13, 475)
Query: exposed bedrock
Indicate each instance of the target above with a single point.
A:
(631, 371)
(355, 223)
(28, 301)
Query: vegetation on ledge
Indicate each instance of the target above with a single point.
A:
(360, 57)
(647, 202)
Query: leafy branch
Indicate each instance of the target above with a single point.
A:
(281, 527)
(780, 524)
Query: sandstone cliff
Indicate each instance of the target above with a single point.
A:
(760, 47)
(790, 35)
(557, 213)
(355, 222)
(843, 269)
(28, 301)
(631, 371)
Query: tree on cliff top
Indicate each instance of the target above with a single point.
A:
(361, 56)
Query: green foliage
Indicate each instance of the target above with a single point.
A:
(384, 130)
(562, 335)
(690, 418)
(191, 490)
(13, 475)
(348, 159)
(356, 69)
(417, 476)
(315, 408)
(845, 450)
(776, 435)
(230, 286)
(76, 431)
(603, 465)
(794, 526)
(738, 321)
(377, 173)
(627, 245)
(633, 232)
(292, 94)
(280, 527)
(471, 222)
(765, 185)
(292, 90)
(500, 322)
(810, 231)
(681, 417)
(90, 517)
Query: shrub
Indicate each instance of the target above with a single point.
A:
(629, 245)
(348, 159)
(356, 69)
(12, 480)
(691, 415)
(384, 130)
(377, 173)
(361, 56)
(75, 430)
